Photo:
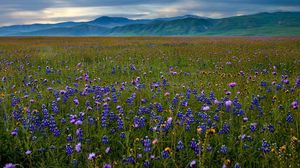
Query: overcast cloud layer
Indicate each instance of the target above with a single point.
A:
(52, 11)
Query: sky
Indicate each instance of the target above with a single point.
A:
(52, 11)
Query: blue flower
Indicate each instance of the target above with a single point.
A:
(223, 149)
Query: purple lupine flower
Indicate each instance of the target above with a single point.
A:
(78, 147)
(123, 135)
(92, 156)
(104, 139)
(237, 165)
(48, 70)
(132, 67)
(232, 84)
(228, 92)
(15, 101)
(147, 163)
(242, 73)
(54, 107)
(3, 79)
(209, 148)
(69, 149)
(180, 146)
(9, 165)
(205, 108)
(15, 132)
(192, 164)
(79, 133)
(62, 92)
(168, 123)
(195, 146)
(289, 117)
(28, 152)
(129, 159)
(107, 150)
(107, 166)
(297, 82)
(294, 105)
(216, 101)
(86, 77)
(223, 149)
(75, 162)
(165, 154)
(69, 138)
(228, 104)
(147, 144)
(265, 146)
(76, 101)
(253, 127)
(225, 129)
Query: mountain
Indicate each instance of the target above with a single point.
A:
(179, 17)
(277, 23)
(261, 24)
(184, 26)
(9, 30)
(79, 30)
(106, 21)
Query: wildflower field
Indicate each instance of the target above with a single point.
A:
(149, 102)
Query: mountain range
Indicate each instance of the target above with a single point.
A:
(261, 24)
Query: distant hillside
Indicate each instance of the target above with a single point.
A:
(258, 24)
(261, 24)
(80, 30)
(175, 27)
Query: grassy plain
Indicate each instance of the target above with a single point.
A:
(164, 86)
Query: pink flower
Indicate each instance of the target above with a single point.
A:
(167, 94)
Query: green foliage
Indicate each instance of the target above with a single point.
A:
(205, 64)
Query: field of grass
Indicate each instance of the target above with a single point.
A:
(150, 102)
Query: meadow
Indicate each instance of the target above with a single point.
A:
(149, 102)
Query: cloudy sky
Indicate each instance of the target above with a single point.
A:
(52, 11)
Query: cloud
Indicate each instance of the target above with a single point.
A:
(46, 11)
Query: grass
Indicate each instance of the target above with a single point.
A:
(203, 64)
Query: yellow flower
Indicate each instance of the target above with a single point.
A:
(294, 139)
(282, 148)
(227, 162)
(273, 150)
(211, 131)
(199, 130)
(24, 109)
(168, 149)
